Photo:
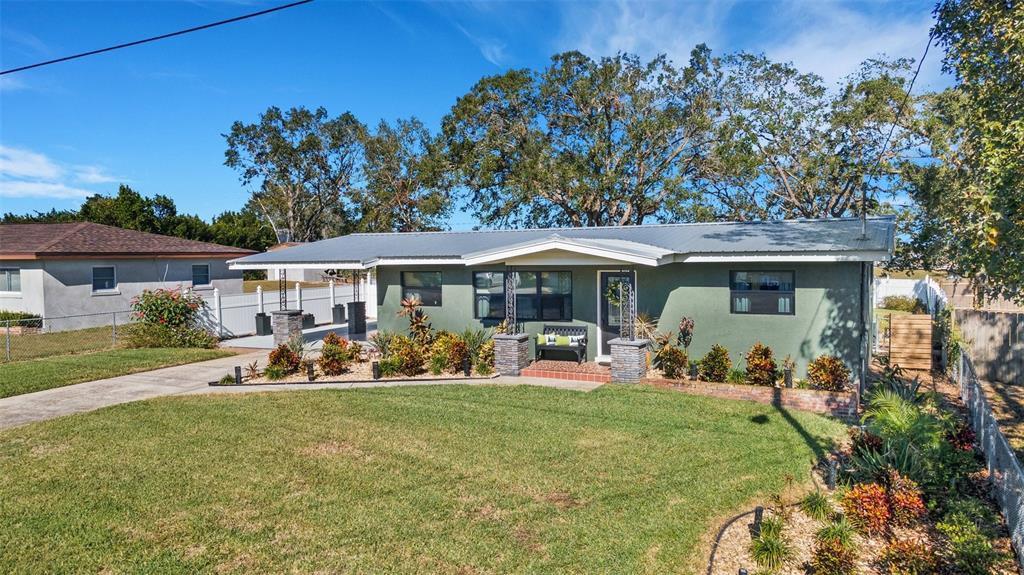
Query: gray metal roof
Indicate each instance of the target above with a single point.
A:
(720, 238)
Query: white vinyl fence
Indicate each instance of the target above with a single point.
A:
(1004, 469)
(926, 290)
(235, 315)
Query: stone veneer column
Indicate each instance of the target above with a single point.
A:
(511, 353)
(629, 360)
(285, 324)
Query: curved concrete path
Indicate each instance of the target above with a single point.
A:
(193, 378)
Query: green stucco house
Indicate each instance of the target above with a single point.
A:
(799, 286)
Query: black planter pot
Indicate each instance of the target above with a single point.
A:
(263, 324)
(356, 317)
(467, 369)
(376, 370)
(338, 313)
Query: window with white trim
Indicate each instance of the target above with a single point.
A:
(762, 292)
(539, 295)
(426, 286)
(104, 278)
(200, 274)
(10, 279)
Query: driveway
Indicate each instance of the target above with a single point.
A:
(191, 379)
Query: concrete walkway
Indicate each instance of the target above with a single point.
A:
(194, 378)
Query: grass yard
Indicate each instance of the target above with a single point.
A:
(35, 345)
(432, 479)
(20, 377)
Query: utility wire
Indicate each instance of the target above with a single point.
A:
(885, 144)
(155, 38)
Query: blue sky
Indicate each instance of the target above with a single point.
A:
(152, 116)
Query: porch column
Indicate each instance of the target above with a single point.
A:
(629, 360)
(511, 352)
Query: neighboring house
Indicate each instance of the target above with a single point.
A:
(304, 275)
(802, 287)
(71, 269)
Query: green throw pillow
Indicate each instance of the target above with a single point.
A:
(542, 339)
(562, 340)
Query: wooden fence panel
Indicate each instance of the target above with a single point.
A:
(996, 343)
(910, 341)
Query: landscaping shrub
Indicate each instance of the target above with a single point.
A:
(138, 335)
(20, 319)
(761, 366)
(967, 548)
(448, 352)
(770, 548)
(685, 332)
(907, 557)
(672, 361)
(227, 379)
(715, 365)
(420, 329)
(389, 366)
(832, 557)
(736, 376)
(862, 440)
(408, 354)
(275, 372)
(839, 530)
(485, 359)
(282, 358)
(167, 318)
(867, 507)
(961, 437)
(816, 505)
(906, 503)
(337, 354)
(828, 373)
(382, 341)
(437, 364)
(475, 340)
(904, 303)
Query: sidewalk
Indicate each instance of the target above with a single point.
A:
(191, 379)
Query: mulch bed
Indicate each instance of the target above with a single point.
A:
(359, 372)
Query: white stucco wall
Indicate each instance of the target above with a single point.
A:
(59, 288)
(30, 298)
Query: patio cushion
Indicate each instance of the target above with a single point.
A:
(562, 340)
(575, 339)
(541, 339)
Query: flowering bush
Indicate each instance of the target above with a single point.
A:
(715, 365)
(283, 358)
(829, 373)
(867, 506)
(173, 308)
(761, 366)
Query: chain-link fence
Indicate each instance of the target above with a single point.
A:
(42, 337)
(1004, 470)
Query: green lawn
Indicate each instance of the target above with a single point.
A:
(431, 479)
(19, 377)
(34, 345)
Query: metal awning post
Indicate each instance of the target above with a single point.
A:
(282, 289)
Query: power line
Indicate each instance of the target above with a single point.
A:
(892, 129)
(155, 38)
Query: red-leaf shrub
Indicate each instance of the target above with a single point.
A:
(715, 365)
(761, 366)
(282, 357)
(863, 441)
(962, 437)
(833, 557)
(906, 504)
(829, 373)
(867, 506)
(909, 558)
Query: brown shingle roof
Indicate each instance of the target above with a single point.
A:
(79, 239)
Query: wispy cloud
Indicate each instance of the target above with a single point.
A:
(11, 84)
(491, 49)
(643, 28)
(28, 174)
(831, 40)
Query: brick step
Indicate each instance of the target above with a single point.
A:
(566, 375)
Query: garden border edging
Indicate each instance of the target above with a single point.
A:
(841, 405)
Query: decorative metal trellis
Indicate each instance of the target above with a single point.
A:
(282, 289)
(511, 283)
(627, 310)
(356, 285)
